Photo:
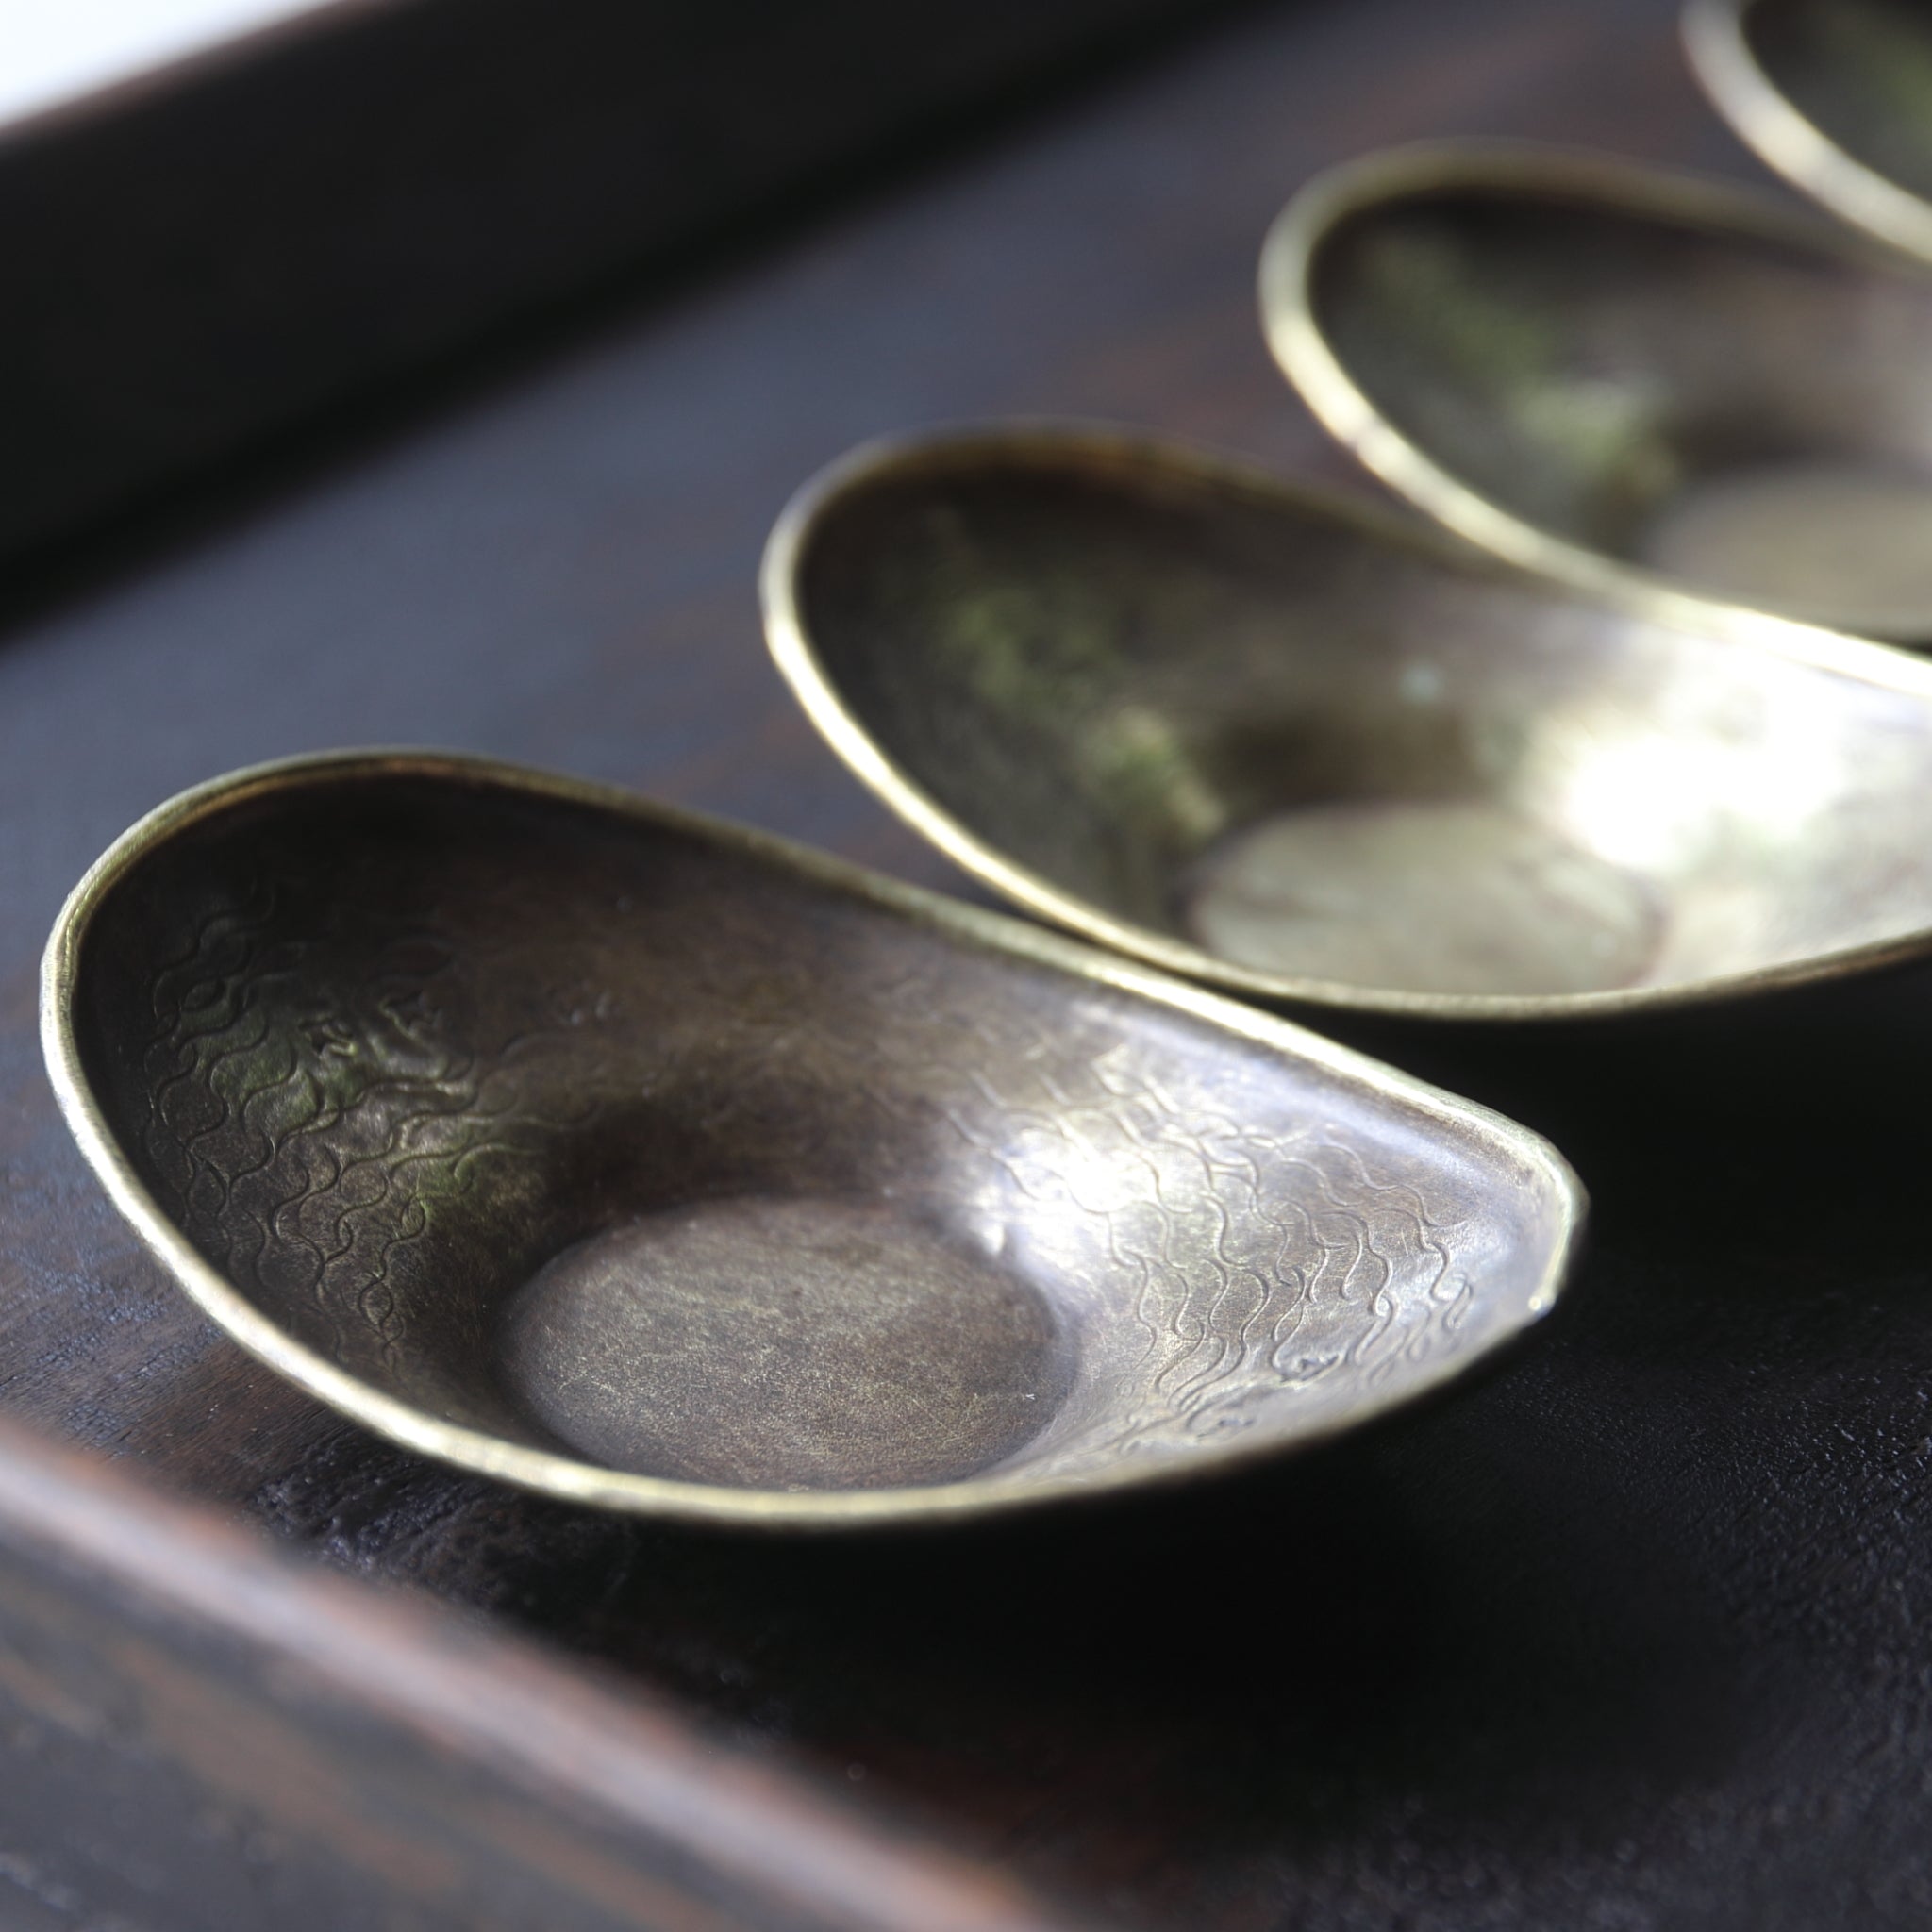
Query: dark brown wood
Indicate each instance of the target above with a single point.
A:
(213, 252)
(1632, 1633)
(200, 1732)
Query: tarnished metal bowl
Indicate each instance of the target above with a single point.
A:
(664, 1167)
(1280, 741)
(1586, 365)
(1836, 95)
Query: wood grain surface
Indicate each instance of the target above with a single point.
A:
(211, 252)
(1633, 1634)
(202, 1732)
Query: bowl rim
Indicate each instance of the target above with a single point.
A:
(1535, 170)
(1104, 449)
(1717, 41)
(574, 1480)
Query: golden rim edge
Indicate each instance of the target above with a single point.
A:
(1788, 141)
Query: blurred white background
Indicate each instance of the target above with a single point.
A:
(54, 51)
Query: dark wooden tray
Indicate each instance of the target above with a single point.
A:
(1635, 1633)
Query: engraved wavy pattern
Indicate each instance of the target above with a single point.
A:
(309, 1127)
(1259, 1260)
(325, 1107)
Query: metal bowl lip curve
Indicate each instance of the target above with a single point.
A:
(1107, 448)
(1535, 170)
(1788, 141)
(576, 1481)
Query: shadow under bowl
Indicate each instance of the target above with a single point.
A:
(1284, 743)
(1586, 366)
(667, 1168)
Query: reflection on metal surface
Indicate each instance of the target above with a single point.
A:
(1584, 364)
(1347, 890)
(664, 1167)
(1836, 95)
(1288, 744)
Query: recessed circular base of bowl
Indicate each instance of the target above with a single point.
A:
(1428, 896)
(784, 1344)
(1837, 541)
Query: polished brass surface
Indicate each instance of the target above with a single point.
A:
(665, 1167)
(1836, 95)
(1578, 362)
(1284, 742)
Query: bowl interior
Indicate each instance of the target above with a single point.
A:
(1305, 748)
(1858, 70)
(1728, 407)
(596, 1135)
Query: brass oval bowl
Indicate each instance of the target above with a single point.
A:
(1585, 366)
(1285, 744)
(664, 1167)
(1836, 95)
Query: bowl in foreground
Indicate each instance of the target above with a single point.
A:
(1590, 366)
(1284, 743)
(663, 1167)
